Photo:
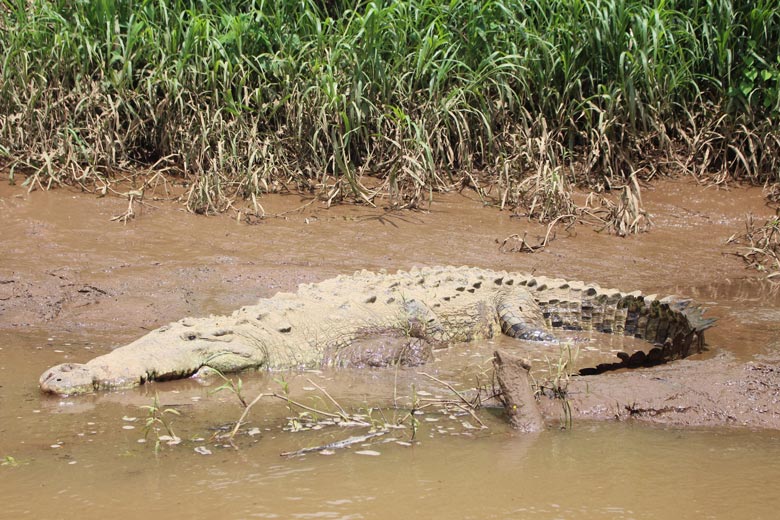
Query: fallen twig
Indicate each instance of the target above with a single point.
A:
(526, 247)
(240, 420)
(343, 413)
(469, 406)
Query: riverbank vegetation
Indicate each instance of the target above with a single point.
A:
(362, 99)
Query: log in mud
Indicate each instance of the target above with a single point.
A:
(516, 394)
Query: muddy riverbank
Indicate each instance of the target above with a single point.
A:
(74, 285)
(715, 392)
(66, 265)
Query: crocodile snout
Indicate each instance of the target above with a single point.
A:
(68, 379)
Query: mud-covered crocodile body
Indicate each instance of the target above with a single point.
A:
(328, 323)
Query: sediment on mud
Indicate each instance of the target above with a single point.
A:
(714, 392)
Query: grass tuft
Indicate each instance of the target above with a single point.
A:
(248, 97)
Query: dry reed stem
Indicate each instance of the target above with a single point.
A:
(760, 245)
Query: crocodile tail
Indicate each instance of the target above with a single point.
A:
(674, 326)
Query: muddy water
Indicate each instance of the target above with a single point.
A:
(73, 285)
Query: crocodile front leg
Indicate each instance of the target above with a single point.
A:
(520, 316)
(380, 348)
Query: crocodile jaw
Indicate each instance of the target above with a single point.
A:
(68, 379)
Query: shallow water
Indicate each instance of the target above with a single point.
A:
(594, 471)
(81, 457)
(73, 285)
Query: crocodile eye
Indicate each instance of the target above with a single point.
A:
(190, 336)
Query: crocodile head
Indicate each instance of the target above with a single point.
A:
(68, 379)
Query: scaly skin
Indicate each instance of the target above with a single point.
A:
(328, 323)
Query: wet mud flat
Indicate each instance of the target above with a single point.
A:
(717, 392)
(74, 285)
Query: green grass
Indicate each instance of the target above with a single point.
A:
(246, 97)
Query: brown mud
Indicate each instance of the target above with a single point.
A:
(74, 284)
(66, 264)
(713, 392)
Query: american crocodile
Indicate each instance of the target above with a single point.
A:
(374, 319)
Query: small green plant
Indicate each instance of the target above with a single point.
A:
(235, 387)
(285, 388)
(9, 461)
(414, 409)
(377, 423)
(556, 385)
(157, 420)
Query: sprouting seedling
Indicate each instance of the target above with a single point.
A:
(285, 388)
(557, 384)
(412, 414)
(157, 418)
(233, 386)
(9, 461)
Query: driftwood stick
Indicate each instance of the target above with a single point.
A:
(247, 407)
(309, 408)
(452, 389)
(469, 406)
(343, 413)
